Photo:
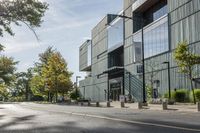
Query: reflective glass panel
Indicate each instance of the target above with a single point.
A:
(156, 38)
(115, 34)
(89, 55)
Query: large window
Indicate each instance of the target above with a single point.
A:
(89, 54)
(137, 46)
(144, 18)
(115, 34)
(116, 58)
(156, 38)
(155, 12)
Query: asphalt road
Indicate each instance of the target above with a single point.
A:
(40, 118)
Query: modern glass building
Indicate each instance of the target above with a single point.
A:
(116, 49)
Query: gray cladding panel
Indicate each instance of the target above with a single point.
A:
(83, 55)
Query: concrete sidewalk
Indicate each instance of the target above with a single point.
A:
(182, 107)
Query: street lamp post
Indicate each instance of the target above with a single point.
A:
(169, 77)
(143, 61)
(77, 77)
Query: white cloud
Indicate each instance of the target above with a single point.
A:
(14, 47)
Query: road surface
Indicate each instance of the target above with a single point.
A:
(47, 118)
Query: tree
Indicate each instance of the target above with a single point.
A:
(28, 12)
(43, 58)
(51, 75)
(7, 76)
(186, 60)
(22, 84)
(4, 94)
(38, 85)
(56, 75)
(7, 69)
(152, 70)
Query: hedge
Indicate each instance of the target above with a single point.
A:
(197, 95)
(184, 95)
(180, 95)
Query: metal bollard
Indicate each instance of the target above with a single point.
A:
(108, 104)
(122, 104)
(97, 104)
(164, 105)
(140, 105)
(88, 103)
(198, 106)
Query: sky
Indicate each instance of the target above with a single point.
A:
(67, 24)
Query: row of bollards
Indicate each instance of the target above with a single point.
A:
(165, 106)
(141, 104)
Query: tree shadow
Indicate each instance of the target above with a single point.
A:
(16, 120)
(89, 125)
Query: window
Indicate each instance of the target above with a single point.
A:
(115, 34)
(116, 58)
(137, 47)
(144, 18)
(156, 38)
(89, 55)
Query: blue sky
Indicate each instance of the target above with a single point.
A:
(67, 24)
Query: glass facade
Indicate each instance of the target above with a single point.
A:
(115, 34)
(150, 15)
(160, 12)
(156, 38)
(137, 46)
(89, 54)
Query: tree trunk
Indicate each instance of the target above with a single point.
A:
(51, 97)
(56, 96)
(192, 87)
(48, 97)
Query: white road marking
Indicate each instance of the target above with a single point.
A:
(121, 120)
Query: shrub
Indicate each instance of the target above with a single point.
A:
(75, 96)
(181, 95)
(17, 99)
(166, 95)
(37, 98)
(149, 92)
(197, 95)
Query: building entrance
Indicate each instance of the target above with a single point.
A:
(115, 93)
(115, 86)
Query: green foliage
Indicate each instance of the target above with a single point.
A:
(38, 83)
(56, 74)
(28, 12)
(37, 98)
(186, 60)
(149, 90)
(74, 95)
(38, 86)
(7, 69)
(1, 47)
(181, 95)
(22, 84)
(4, 93)
(16, 99)
(52, 75)
(197, 95)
